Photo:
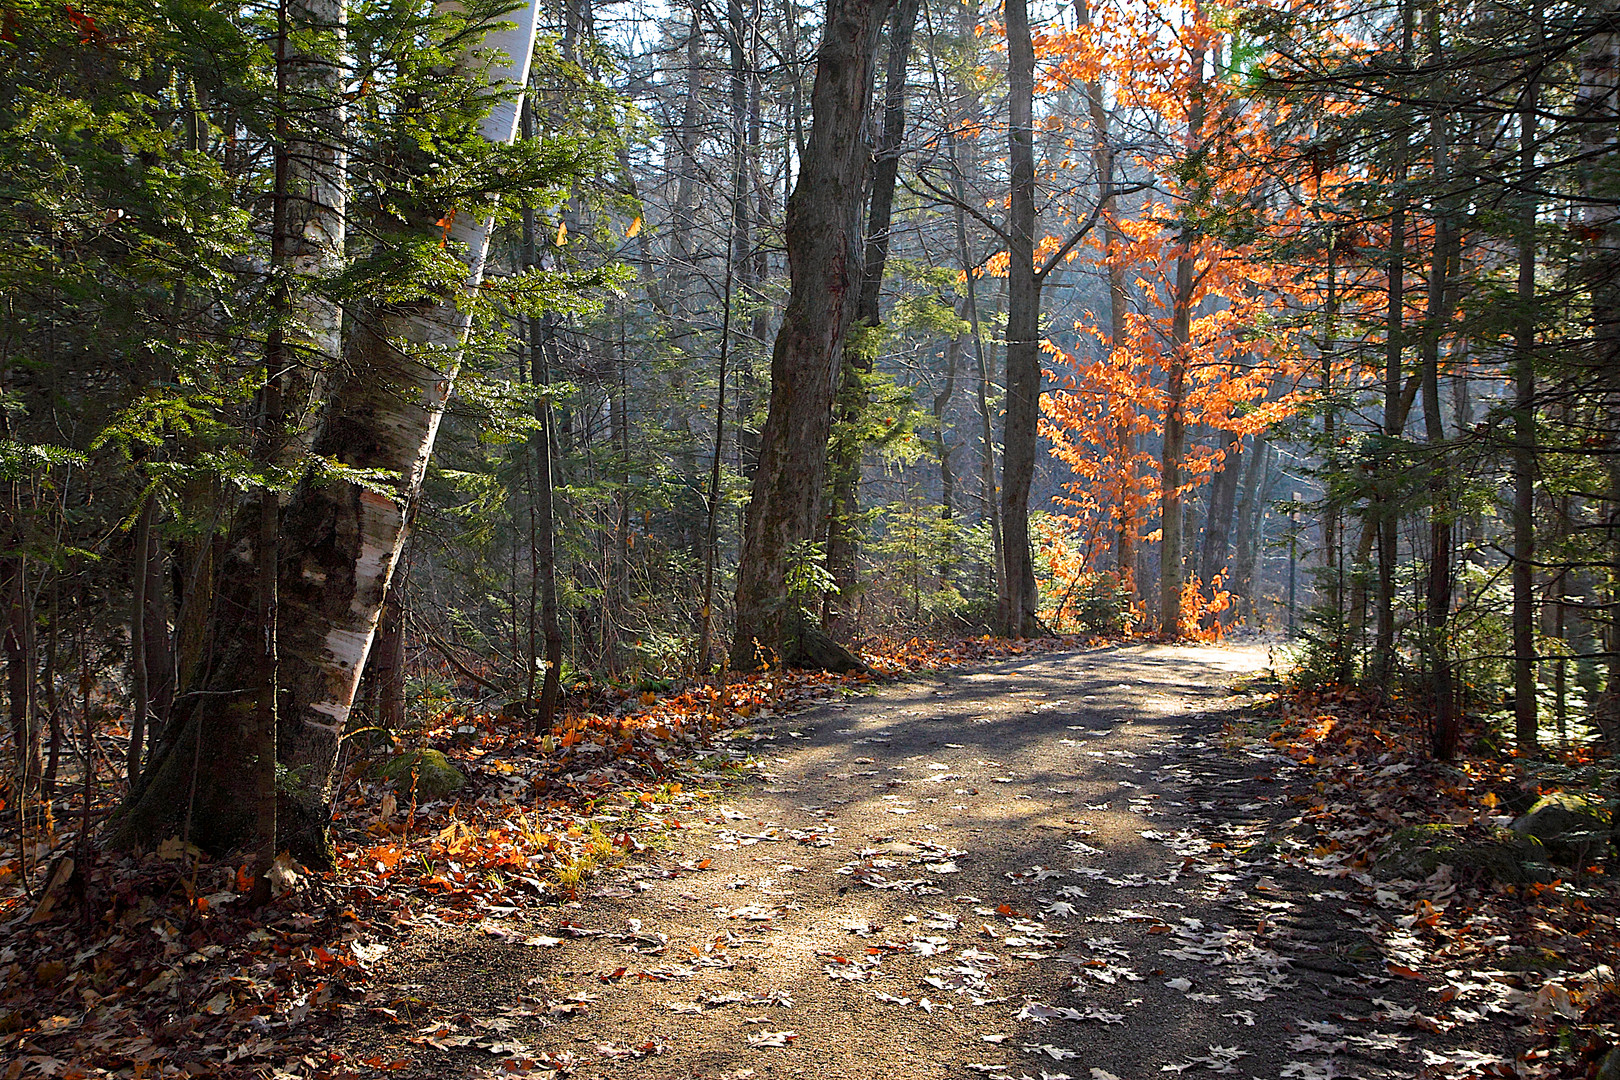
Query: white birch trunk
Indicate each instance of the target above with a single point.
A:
(317, 197)
(339, 542)
(345, 541)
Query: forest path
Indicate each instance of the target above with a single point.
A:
(1039, 867)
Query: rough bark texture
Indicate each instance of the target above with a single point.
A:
(1173, 447)
(843, 533)
(1222, 500)
(1016, 602)
(822, 233)
(1524, 445)
(340, 545)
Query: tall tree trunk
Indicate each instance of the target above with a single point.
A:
(983, 381)
(1017, 600)
(1598, 106)
(734, 259)
(942, 449)
(823, 243)
(18, 641)
(542, 501)
(386, 665)
(684, 211)
(1173, 446)
(1222, 500)
(1247, 542)
(1439, 316)
(140, 700)
(340, 543)
(159, 635)
(1386, 509)
(886, 170)
(1438, 593)
(843, 534)
(1332, 540)
(1524, 437)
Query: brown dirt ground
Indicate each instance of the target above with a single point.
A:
(982, 829)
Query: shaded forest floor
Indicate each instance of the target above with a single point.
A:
(1121, 861)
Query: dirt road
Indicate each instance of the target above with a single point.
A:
(1046, 867)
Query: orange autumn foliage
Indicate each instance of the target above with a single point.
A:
(1239, 350)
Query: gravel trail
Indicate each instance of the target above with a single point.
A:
(1039, 868)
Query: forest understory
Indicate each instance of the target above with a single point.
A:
(1051, 539)
(1016, 860)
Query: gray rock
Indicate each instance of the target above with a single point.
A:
(1417, 851)
(435, 777)
(1610, 1068)
(1569, 826)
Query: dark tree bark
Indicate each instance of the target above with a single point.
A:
(386, 667)
(140, 701)
(1016, 602)
(1223, 487)
(843, 533)
(1524, 440)
(1438, 592)
(1385, 509)
(823, 245)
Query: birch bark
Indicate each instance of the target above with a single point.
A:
(340, 544)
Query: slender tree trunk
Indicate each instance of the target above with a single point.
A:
(1246, 543)
(18, 642)
(541, 343)
(1438, 598)
(824, 262)
(160, 657)
(340, 543)
(942, 449)
(1386, 511)
(1222, 503)
(140, 700)
(734, 257)
(1331, 539)
(684, 211)
(1524, 439)
(1173, 446)
(387, 662)
(1017, 600)
(52, 706)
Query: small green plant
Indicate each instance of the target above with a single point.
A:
(808, 578)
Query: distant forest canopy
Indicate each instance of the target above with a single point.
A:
(355, 354)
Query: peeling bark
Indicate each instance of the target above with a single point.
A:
(340, 545)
